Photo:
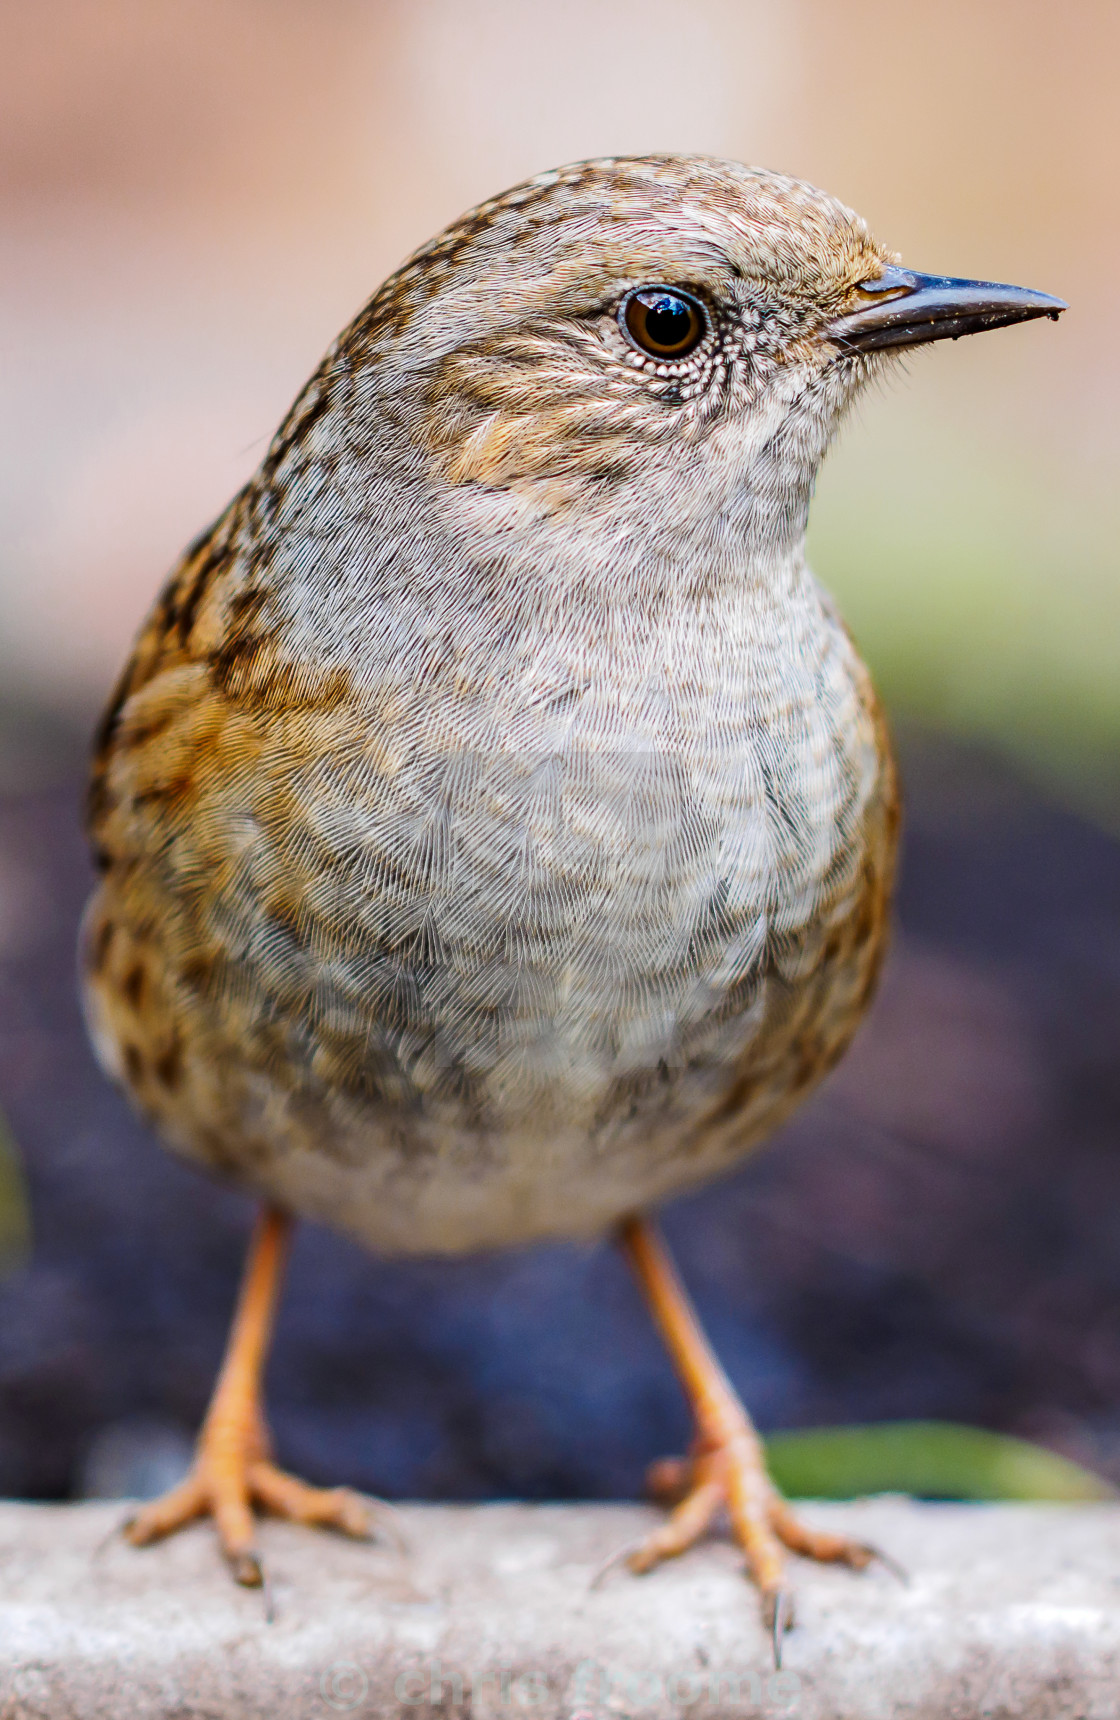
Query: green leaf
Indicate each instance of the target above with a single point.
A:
(930, 1459)
(15, 1217)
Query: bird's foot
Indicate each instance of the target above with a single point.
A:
(232, 1472)
(727, 1469)
(730, 1473)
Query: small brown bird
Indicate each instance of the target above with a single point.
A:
(496, 823)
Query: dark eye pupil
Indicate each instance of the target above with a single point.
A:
(668, 321)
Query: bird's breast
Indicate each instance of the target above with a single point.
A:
(577, 867)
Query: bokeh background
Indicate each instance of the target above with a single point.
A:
(194, 196)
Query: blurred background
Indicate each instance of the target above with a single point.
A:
(195, 195)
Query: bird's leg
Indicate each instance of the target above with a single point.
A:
(727, 1467)
(232, 1467)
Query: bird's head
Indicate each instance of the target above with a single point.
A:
(663, 342)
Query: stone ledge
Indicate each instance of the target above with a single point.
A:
(1010, 1611)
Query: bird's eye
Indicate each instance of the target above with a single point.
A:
(662, 321)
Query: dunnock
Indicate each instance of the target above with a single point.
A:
(495, 820)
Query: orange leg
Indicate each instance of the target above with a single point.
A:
(728, 1466)
(232, 1466)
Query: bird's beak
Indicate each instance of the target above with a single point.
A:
(903, 308)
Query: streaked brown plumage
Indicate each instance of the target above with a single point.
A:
(496, 823)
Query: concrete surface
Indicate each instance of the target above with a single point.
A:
(1009, 1611)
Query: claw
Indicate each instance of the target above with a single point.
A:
(388, 1521)
(780, 1608)
(110, 1535)
(876, 1556)
(620, 1556)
